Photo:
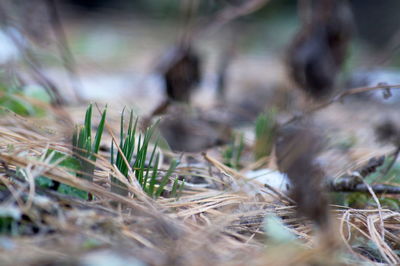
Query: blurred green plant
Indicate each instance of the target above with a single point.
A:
(346, 144)
(63, 160)
(367, 246)
(146, 172)
(265, 130)
(360, 200)
(393, 176)
(55, 158)
(233, 152)
(84, 149)
(10, 217)
(21, 99)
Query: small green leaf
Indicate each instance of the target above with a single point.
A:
(144, 184)
(36, 92)
(181, 189)
(67, 162)
(153, 179)
(71, 191)
(174, 189)
(43, 182)
(165, 179)
(99, 133)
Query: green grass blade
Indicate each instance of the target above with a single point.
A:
(112, 152)
(88, 121)
(130, 124)
(99, 133)
(121, 132)
(82, 138)
(153, 179)
(130, 148)
(165, 179)
(135, 127)
(139, 148)
(142, 158)
(180, 189)
(138, 160)
(121, 141)
(75, 137)
(149, 165)
(174, 189)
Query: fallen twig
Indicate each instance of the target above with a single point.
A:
(378, 189)
(355, 181)
(340, 97)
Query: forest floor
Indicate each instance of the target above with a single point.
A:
(219, 216)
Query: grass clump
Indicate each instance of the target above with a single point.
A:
(84, 156)
(265, 130)
(84, 149)
(233, 152)
(135, 148)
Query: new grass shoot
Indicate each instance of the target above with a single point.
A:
(233, 152)
(265, 129)
(83, 148)
(135, 147)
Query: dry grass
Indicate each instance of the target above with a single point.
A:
(217, 225)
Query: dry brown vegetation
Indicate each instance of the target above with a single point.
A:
(216, 225)
(63, 204)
